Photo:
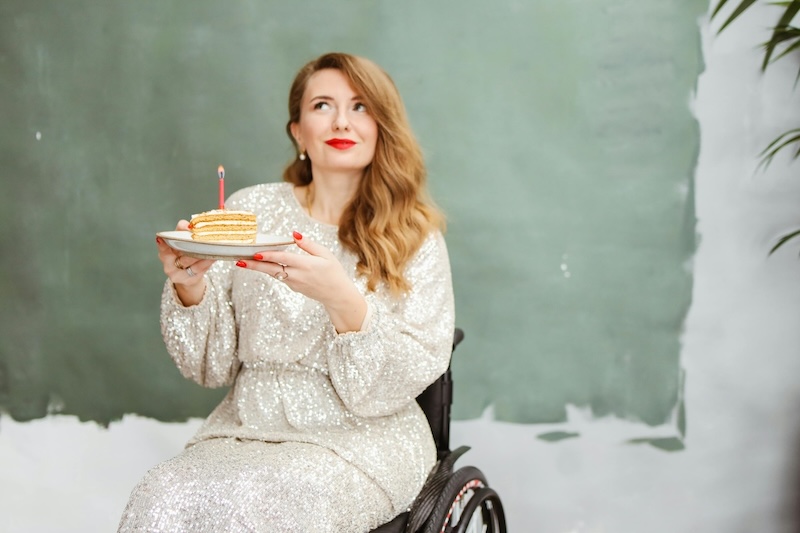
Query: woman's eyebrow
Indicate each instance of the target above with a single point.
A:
(325, 97)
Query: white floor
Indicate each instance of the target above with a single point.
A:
(59, 474)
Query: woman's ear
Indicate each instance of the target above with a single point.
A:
(294, 127)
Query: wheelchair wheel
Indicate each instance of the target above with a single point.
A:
(467, 505)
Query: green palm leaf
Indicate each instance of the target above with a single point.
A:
(741, 8)
(791, 48)
(782, 33)
(719, 6)
(786, 34)
(783, 240)
(781, 29)
(776, 145)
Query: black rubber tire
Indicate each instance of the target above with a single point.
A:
(486, 502)
(460, 479)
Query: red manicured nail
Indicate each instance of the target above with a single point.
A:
(258, 257)
(297, 236)
(241, 264)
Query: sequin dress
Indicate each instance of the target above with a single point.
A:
(319, 431)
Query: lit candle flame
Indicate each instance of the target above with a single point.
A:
(221, 172)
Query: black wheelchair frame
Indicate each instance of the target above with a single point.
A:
(457, 501)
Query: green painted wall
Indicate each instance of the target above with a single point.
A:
(559, 141)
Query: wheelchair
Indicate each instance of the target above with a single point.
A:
(459, 501)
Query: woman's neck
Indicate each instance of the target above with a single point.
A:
(326, 197)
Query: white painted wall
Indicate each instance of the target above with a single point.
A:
(740, 471)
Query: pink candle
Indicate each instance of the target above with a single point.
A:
(221, 173)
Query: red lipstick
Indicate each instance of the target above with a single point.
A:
(340, 144)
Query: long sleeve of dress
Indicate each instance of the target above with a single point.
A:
(201, 339)
(407, 343)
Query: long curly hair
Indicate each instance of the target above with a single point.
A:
(392, 213)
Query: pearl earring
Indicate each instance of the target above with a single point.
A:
(302, 156)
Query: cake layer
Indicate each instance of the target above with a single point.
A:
(224, 214)
(224, 237)
(222, 225)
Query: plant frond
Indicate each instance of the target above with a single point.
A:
(792, 47)
(781, 34)
(783, 26)
(791, 136)
(783, 240)
(741, 8)
(784, 34)
(792, 9)
(719, 6)
(779, 138)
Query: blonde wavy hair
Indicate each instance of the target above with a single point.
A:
(392, 213)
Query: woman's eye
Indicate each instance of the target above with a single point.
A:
(322, 105)
(361, 108)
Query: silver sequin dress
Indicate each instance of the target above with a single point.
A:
(319, 431)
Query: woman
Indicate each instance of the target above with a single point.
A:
(325, 345)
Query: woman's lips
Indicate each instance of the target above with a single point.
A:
(340, 144)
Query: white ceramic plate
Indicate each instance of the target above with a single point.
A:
(182, 241)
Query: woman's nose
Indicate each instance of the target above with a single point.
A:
(340, 122)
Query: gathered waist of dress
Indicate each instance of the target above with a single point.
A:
(282, 367)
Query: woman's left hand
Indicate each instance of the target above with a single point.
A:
(318, 275)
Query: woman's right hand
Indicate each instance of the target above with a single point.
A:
(186, 273)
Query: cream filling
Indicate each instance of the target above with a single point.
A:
(224, 223)
(223, 212)
(226, 232)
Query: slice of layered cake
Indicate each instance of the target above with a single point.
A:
(224, 225)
